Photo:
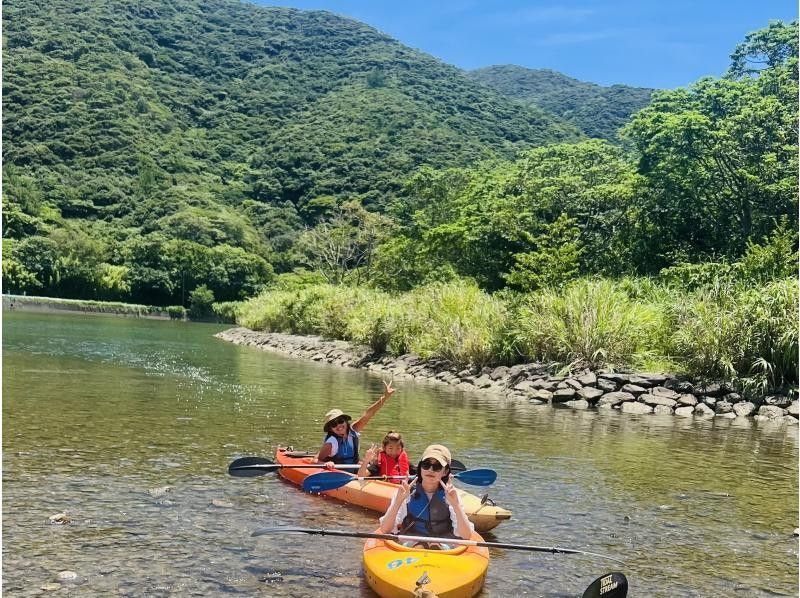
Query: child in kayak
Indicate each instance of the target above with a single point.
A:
(430, 506)
(341, 438)
(390, 460)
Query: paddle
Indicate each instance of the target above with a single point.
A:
(249, 467)
(322, 481)
(610, 585)
(403, 538)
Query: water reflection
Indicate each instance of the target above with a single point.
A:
(98, 411)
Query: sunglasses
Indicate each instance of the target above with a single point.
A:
(339, 421)
(434, 465)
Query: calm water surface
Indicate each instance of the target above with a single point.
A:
(97, 411)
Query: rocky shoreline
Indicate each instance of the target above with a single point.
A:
(536, 383)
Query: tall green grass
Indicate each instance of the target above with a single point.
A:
(748, 335)
(590, 322)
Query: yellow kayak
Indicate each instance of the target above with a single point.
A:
(395, 571)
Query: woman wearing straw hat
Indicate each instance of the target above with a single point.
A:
(341, 438)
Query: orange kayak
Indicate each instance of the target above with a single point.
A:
(395, 571)
(376, 494)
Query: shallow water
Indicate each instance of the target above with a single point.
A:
(100, 414)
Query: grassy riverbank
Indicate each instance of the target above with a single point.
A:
(115, 308)
(739, 333)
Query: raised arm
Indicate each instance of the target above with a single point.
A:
(369, 457)
(362, 421)
(389, 521)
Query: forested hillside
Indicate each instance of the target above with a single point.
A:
(151, 147)
(596, 110)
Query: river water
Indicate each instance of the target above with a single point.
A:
(128, 426)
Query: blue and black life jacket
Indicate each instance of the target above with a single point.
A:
(348, 447)
(428, 518)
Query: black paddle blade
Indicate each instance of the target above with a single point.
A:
(610, 585)
(249, 467)
(456, 465)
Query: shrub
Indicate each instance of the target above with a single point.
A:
(591, 322)
(176, 312)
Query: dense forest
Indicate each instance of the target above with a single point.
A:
(208, 151)
(597, 111)
(153, 147)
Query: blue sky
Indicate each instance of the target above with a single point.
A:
(646, 43)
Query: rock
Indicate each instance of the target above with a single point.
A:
(685, 411)
(222, 503)
(563, 395)
(771, 411)
(562, 385)
(713, 390)
(66, 576)
(524, 386)
(606, 385)
(545, 384)
(588, 379)
(616, 378)
(653, 400)
(654, 379)
(726, 415)
(536, 402)
(577, 404)
(793, 408)
(590, 394)
(483, 382)
(498, 372)
(59, 519)
(612, 399)
(662, 410)
(660, 391)
(723, 407)
(50, 587)
(703, 410)
(634, 407)
(778, 401)
(732, 398)
(789, 420)
(744, 408)
(542, 395)
(634, 389)
(639, 381)
(159, 492)
(572, 383)
(710, 401)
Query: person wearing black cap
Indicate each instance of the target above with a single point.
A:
(341, 438)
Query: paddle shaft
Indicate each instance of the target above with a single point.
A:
(272, 466)
(405, 538)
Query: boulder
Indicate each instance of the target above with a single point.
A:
(703, 410)
(653, 400)
(634, 407)
(685, 411)
(606, 385)
(588, 379)
(723, 407)
(771, 411)
(498, 372)
(744, 408)
(661, 391)
(662, 410)
(577, 404)
(562, 395)
(793, 408)
(612, 399)
(590, 394)
(573, 383)
(542, 395)
(687, 399)
(634, 389)
(778, 401)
